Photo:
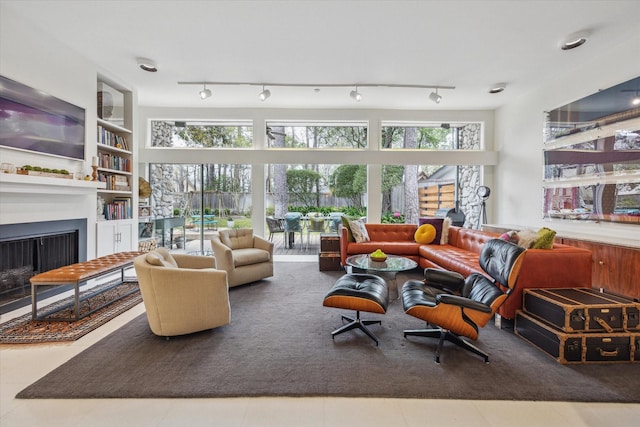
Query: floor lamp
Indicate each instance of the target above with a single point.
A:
(483, 192)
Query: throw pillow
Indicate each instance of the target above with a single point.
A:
(437, 223)
(546, 237)
(446, 223)
(345, 224)
(510, 236)
(527, 238)
(425, 234)
(359, 231)
(166, 258)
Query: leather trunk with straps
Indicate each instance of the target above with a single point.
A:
(578, 347)
(583, 310)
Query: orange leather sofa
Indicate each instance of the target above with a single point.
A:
(561, 267)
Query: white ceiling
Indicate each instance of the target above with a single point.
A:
(469, 44)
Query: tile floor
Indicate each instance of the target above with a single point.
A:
(22, 365)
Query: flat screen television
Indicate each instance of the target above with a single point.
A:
(36, 121)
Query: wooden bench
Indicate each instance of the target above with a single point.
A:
(77, 275)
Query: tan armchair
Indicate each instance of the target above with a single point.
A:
(182, 293)
(245, 257)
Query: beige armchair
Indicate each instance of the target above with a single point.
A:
(182, 293)
(245, 257)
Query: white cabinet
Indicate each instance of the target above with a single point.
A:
(114, 236)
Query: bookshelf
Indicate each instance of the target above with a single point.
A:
(117, 219)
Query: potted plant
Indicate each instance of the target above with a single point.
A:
(230, 222)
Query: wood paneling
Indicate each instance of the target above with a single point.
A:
(615, 268)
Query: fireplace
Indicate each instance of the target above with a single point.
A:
(32, 248)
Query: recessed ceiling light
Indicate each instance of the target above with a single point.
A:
(497, 88)
(574, 40)
(147, 65)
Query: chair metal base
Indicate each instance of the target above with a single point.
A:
(357, 323)
(442, 335)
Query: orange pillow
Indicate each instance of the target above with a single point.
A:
(425, 234)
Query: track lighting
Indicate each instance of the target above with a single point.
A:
(147, 65)
(435, 97)
(355, 95)
(205, 93)
(574, 40)
(497, 88)
(266, 93)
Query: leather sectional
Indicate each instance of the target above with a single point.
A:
(560, 267)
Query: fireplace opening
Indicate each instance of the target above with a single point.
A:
(26, 255)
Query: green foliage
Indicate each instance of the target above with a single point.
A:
(304, 186)
(349, 181)
(354, 211)
(215, 136)
(176, 212)
(391, 176)
(392, 218)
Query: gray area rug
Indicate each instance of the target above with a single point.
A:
(279, 344)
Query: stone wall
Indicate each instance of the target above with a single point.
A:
(162, 179)
(469, 176)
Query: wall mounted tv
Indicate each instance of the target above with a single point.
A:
(35, 121)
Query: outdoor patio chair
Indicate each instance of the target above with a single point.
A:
(275, 225)
(292, 225)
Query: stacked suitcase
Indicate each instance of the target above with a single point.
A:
(329, 256)
(580, 325)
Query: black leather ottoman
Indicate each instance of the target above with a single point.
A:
(359, 292)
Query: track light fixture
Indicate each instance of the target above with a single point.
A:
(205, 93)
(355, 95)
(435, 97)
(266, 93)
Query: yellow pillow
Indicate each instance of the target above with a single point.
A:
(425, 234)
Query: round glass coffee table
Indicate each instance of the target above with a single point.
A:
(387, 269)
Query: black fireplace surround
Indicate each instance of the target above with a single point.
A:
(32, 248)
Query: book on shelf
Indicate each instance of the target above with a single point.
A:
(112, 139)
(109, 161)
(119, 208)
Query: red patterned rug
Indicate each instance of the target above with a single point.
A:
(23, 330)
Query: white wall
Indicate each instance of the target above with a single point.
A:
(34, 59)
(518, 138)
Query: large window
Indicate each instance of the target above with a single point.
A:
(316, 188)
(431, 136)
(410, 191)
(317, 135)
(207, 196)
(201, 134)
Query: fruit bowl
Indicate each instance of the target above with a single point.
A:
(378, 257)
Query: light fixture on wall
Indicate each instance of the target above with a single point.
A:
(205, 93)
(355, 95)
(435, 97)
(147, 65)
(574, 40)
(265, 94)
(497, 88)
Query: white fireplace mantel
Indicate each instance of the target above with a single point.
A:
(28, 184)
